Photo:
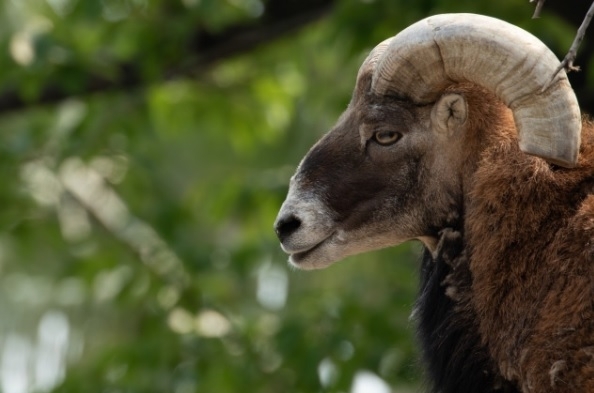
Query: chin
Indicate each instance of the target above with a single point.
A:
(320, 257)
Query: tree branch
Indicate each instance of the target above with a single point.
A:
(280, 17)
(538, 10)
(567, 62)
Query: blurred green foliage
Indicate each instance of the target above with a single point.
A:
(136, 243)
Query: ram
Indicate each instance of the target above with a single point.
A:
(461, 135)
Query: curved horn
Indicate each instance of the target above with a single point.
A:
(425, 58)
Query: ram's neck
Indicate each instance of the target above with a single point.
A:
(456, 359)
(517, 213)
(490, 123)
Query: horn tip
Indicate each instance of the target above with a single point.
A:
(564, 154)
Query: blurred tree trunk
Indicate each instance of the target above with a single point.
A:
(205, 48)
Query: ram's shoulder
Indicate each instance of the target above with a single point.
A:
(574, 242)
(583, 220)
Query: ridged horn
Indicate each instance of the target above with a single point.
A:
(436, 52)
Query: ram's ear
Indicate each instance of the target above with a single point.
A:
(449, 114)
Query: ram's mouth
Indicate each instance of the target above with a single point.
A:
(298, 257)
(315, 256)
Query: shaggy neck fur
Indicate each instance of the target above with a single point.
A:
(507, 300)
(530, 239)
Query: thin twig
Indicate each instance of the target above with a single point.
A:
(567, 62)
(570, 57)
(539, 5)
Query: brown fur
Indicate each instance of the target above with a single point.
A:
(530, 233)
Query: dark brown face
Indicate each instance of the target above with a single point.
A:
(360, 187)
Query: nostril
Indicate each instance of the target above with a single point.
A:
(286, 226)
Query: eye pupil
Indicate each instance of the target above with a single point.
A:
(386, 137)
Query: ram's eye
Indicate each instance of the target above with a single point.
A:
(386, 138)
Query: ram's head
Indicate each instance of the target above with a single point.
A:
(394, 166)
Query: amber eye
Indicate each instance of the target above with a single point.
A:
(386, 138)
